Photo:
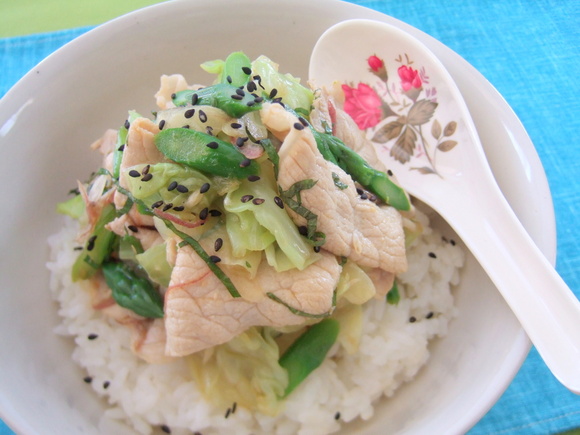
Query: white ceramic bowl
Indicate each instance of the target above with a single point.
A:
(49, 117)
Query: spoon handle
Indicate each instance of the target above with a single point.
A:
(547, 309)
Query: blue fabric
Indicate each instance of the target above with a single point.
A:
(20, 54)
(530, 52)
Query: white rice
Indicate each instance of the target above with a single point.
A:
(142, 397)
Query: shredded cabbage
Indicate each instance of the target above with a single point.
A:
(354, 285)
(154, 261)
(288, 87)
(244, 370)
(265, 217)
(186, 194)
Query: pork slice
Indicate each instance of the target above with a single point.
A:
(368, 234)
(147, 236)
(200, 312)
(149, 341)
(170, 84)
(140, 149)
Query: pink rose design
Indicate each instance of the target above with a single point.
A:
(375, 63)
(409, 78)
(377, 67)
(363, 105)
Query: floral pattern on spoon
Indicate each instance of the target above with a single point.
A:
(400, 114)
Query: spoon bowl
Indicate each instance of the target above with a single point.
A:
(404, 99)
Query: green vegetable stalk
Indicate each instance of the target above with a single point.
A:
(236, 68)
(205, 153)
(229, 98)
(377, 182)
(131, 291)
(98, 247)
(308, 352)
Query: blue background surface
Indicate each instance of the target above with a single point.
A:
(530, 51)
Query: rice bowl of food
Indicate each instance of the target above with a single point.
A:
(174, 298)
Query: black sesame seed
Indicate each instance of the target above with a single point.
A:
(106, 384)
(412, 319)
(133, 173)
(147, 177)
(179, 208)
(278, 201)
(237, 97)
(432, 255)
(203, 214)
(245, 163)
(212, 145)
(251, 87)
(78, 248)
(303, 230)
(452, 242)
(161, 124)
(165, 428)
(228, 412)
(185, 126)
(91, 243)
(133, 228)
(202, 116)
(240, 92)
(303, 121)
(173, 96)
(337, 416)
(235, 125)
(145, 170)
(258, 100)
(157, 204)
(121, 148)
(359, 191)
(429, 315)
(240, 141)
(204, 188)
(167, 206)
(250, 103)
(172, 185)
(390, 173)
(258, 201)
(88, 379)
(298, 126)
(127, 124)
(246, 198)
(253, 178)
(364, 196)
(215, 213)
(229, 79)
(247, 70)
(189, 113)
(194, 99)
(273, 93)
(214, 259)
(218, 244)
(316, 249)
(234, 407)
(92, 336)
(181, 188)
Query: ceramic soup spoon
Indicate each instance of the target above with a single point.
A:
(401, 95)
